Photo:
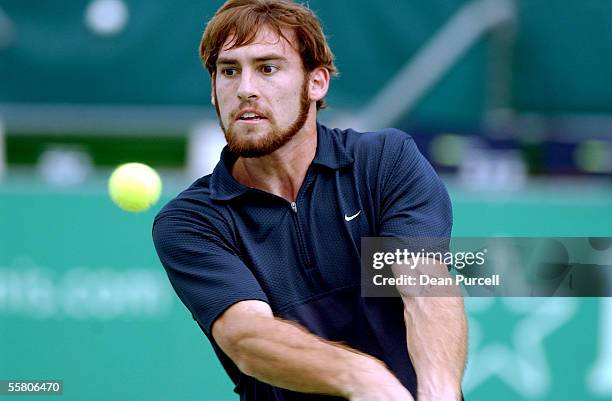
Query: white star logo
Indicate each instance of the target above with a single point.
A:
(521, 361)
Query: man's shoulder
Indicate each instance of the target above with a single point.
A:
(195, 200)
(193, 214)
(370, 148)
(385, 140)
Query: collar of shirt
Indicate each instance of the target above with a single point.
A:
(330, 153)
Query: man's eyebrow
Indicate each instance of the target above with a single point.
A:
(271, 57)
(225, 60)
(267, 57)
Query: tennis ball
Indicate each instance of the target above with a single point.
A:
(134, 187)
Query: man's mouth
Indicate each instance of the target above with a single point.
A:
(250, 116)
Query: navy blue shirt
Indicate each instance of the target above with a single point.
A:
(222, 242)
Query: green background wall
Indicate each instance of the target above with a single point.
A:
(559, 50)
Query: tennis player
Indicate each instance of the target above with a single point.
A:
(265, 251)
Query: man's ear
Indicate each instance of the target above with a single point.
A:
(318, 83)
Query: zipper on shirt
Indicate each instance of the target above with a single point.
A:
(302, 248)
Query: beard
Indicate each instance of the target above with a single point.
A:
(245, 145)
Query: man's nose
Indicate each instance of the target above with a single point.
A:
(247, 89)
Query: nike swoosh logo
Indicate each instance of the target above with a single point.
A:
(349, 218)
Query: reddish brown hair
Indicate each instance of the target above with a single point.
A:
(244, 18)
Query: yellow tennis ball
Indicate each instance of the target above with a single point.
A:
(134, 187)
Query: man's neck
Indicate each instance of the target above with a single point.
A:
(283, 171)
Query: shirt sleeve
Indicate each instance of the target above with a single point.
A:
(415, 203)
(204, 269)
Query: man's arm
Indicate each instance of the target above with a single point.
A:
(415, 204)
(285, 355)
(436, 335)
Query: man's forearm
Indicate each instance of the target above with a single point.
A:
(285, 355)
(436, 333)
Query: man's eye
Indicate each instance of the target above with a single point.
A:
(269, 69)
(228, 72)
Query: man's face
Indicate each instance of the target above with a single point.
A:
(261, 94)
